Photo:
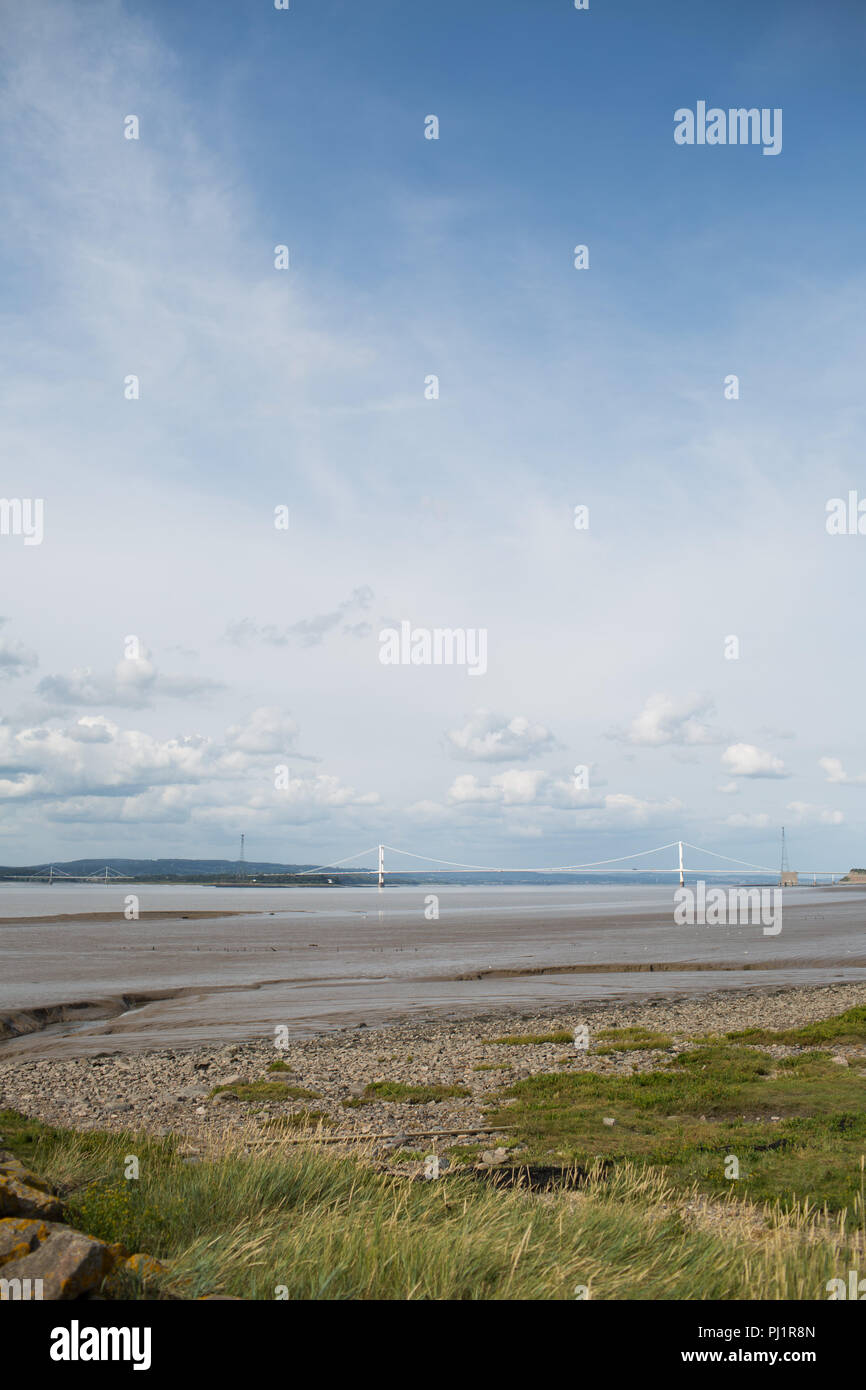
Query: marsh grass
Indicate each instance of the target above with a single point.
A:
(529, 1039)
(630, 1039)
(408, 1095)
(324, 1225)
(797, 1126)
(267, 1090)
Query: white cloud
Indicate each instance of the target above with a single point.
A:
(836, 773)
(307, 632)
(665, 721)
(745, 760)
(94, 771)
(268, 730)
(520, 787)
(493, 738)
(757, 820)
(807, 814)
(133, 684)
(15, 658)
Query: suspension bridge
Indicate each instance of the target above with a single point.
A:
(53, 875)
(597, 866)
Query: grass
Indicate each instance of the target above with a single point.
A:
(279, 1065)
(267, 1090)
(322, 1225)
(528, 1039)
(301, 1119)
(409, 1095)
(630, 1039)
(689, 1114)
(849, 1027)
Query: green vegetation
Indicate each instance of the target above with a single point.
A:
(630, 1039)
(301, 1119)
(267, 1090)
(797, 1127)
(323, 1225)
(526, 1039)
(409, 1095)
(278, 1066)
(849, 1027)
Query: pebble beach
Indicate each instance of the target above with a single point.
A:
(169, 1091)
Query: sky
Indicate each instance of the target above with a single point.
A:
(246, 476)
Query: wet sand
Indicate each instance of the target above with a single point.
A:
(322, 960)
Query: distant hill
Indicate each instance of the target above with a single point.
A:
(159, 868)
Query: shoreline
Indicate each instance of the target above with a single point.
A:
(164, 1090)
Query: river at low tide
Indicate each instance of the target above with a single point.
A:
(316, 959)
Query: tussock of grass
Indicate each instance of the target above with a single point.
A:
(267, 1090)
(409, 1095)
(630, 1039)
(848, 1027)
(322, 1225)
(279, 1065)
(301, 1119)
(527, 1039)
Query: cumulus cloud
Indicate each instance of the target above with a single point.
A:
(268, 730)
(15, 658)
(547, 793)
(806, 814)
(745, 760)
(836, 773)
(493, 738)
(664, 721)
(745, 820)
(133, 684)
(520, 787)
(94, 771)
(307, 632)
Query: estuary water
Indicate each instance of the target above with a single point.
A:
(316, 959)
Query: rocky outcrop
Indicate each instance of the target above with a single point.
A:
(40, 1256)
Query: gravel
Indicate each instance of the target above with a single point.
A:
(162, 1091)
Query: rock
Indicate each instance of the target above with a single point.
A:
(192, 1093)
(225, 1095)
(491, 1156)
(68, 1263)
(608, 1120)
(144, 1266)
(113, 1107)
(23, 1194)
(18, 1236)
(840, 1061)
(233, 1080)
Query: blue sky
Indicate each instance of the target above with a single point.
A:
(305, 388)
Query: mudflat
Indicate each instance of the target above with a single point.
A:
(201, 967)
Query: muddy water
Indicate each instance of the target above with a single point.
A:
(315, 959)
